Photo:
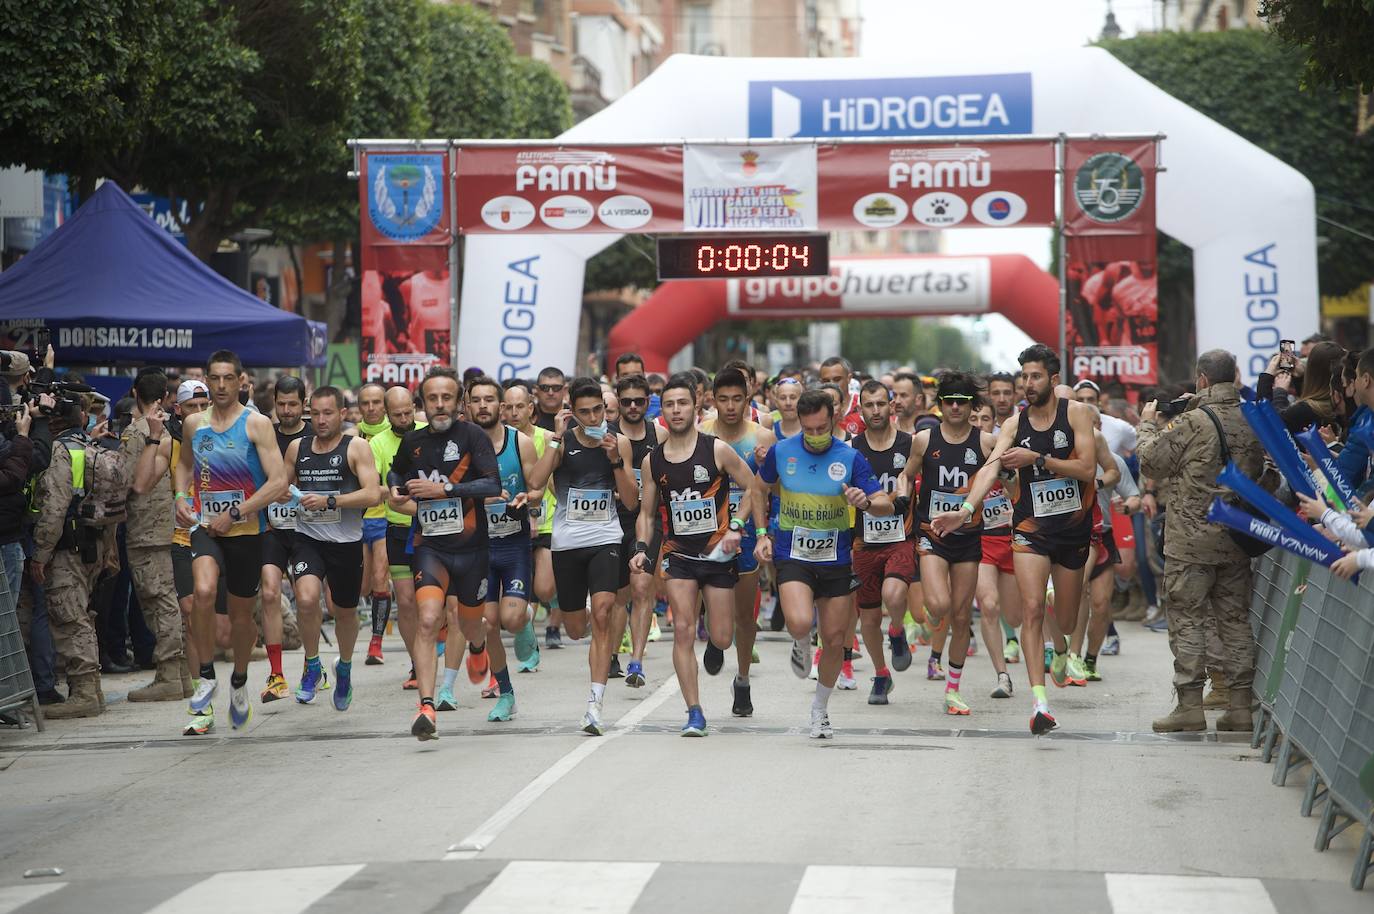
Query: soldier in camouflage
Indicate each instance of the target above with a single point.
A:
(1205, 572)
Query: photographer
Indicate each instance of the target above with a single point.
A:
(1205, 571)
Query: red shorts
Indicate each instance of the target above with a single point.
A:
(1123, 531)
(997, 552)
(875, 564)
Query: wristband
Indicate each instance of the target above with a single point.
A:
(618, 466)
(185, 495)
(736, 524)
(555, 443)
(641, 548)
(971, 512)
(760, 531)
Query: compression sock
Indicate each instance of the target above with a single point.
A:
(822, 700)
(598, 691)
(274, 658)
(238, 680)
(849, 654)
(381, 612)
(450, 677)
(343, 671)
(313, 663)
(207, 671)
(881, 672)
(1039, 693)
(1089, 658)
(952, 676)
(935, 655)
(503, 680)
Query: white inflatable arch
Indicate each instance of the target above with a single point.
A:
(1249, 218)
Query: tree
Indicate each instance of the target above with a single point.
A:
(474, 86)
(1335, 35)
(544, 109)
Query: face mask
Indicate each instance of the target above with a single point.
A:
(595, 432)
(817, 442)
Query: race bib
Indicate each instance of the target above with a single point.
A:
(441, 517)
(589, 506)
(890, 529)
(639, 482)
(499, 522)
(281, 517)
(996, 512)
(1052, 497)
(815, 545)
(736, 496)
(322, 516)
(213, 504)
(940, 502)
(693, 515)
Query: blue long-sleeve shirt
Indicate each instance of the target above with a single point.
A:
(1354, 457)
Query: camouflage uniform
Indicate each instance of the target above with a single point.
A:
(1204, 571)
(148, 541)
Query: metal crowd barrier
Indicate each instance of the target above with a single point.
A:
(1314, 681)
(16, 681)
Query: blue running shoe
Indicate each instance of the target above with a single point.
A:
(634, 675)
(240, 709)
(205, 691)
(901, 651)
(343, 689)
(696, 722)
(313, 680)
(504, 710)
(532, 664)
(525, 642)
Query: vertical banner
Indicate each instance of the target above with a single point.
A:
(407, 289)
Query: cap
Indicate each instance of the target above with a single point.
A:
(14, 364)
(1086, 382)
(190, 389)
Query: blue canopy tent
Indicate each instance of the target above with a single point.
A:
(112, 287)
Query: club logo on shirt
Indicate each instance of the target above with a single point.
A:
(335, 460)
(836, 471)
(925, 543)
(970, 458)
(898, 461)
(1060, 439)
(791, 466)
(699, 473)
(451, 451)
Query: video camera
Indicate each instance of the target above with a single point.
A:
(65, 394)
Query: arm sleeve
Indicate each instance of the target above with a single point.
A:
(1344, 526)
(862, 475)
(483, 478)
(768, 470)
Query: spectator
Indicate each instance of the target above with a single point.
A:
(1318, 403)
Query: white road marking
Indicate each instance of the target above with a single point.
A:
(562, 887)
(1136, 893)
(481, 837)
(14, 897)
(826, 889)
(284, 891)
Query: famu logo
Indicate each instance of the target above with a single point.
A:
(1109, 187)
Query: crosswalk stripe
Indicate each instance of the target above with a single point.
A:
(563, 887)
(14, 897)
(1135, 893)
(284, 891)
(825, 889)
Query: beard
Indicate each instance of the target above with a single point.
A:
(488, 423)
(441, 423)
(1040, 398)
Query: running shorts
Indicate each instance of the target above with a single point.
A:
(239, 559)
(824, 580)
(875, 564)
(746, 562)
(1064, 552)
(340, 564)
(440, 573)
(1107, 556)
(579, 573)
(397, 539)
(997, 553)
(185, 582)
(374, 529)
(277, 546)
(512, 568)
(955, 549)
(707, 574)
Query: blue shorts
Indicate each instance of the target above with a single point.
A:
(511, 568)
(746, 562)
(374, 530)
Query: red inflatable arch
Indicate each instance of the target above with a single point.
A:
(1010, 284)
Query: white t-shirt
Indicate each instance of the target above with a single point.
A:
(1119, 433)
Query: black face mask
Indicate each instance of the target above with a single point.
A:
(243, 397)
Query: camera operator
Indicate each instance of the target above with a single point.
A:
(1205, 571)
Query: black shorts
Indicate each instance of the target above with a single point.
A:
(396, 539)
(1070, 553)
(453, 574)
(185, 581)
(1107, 555)
(239, 559)
(707, 574)
(590, 570)
(955, 549)
(542, 541)
(277, 546)
(341, 564)
(824, 580)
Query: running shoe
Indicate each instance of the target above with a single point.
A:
(815, 665)
(654, 631)
(1112, 646)
(532, 664)
(504, 710)
(343, 689)
(713, 658)
(1090, 672)
(410, 685)
(954, 704)
(553, 638)
(1077, 673)
(492, 688)
(526, 644)
(625, 645)
(934, 671)
(445, 701)
(240, 708)
(313, 681)
(1012, 652)
(423, 727)
(800, 650)
(696, 722)
(276, 690)
(854, 649)
(901, 651)
(1042, 721)
(882, 687)
(201, 723)
(591, 721)
(1003, 689)
(972, 645)
(634, 675)
(846, 681)
(743, 705)
(374, 651)
(1059, 670)
(1152, 614)
(1159, 625)
(754, 654)
(479, 664)
(200, 700)
(820, 724)
(615, 672)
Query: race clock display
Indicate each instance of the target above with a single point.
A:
(742, 256)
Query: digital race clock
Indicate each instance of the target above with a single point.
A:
(723, 256)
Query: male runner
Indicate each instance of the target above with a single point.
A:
(277, 542)
(636, 588)
(372, 406)
(192, 397)
(550, 390)
(1002, 396)
(947, 457)
(883, 548)
(786, 393)
(998, 598)
(337, 478)
(908, 401)
(400, 414)
(518, 402)
(836, 370)
(1051, 446)
(443, 474)
(733, 426)
(690, 475)
(819, 479)
(588, 465)
(629, 364)
(228, 470)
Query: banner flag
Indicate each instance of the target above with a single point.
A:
(1109, 187)
(739, 188)
(1311, 441)
(404, 198)
(1324, 552)
(1113, 308)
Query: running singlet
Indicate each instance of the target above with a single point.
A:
(327, 474)
(502, 520)
(1048, 504)
(813, 515)
(695, 496)
(745, 448)
(946, 472)
(870, 530)
(227, 473)
(384, 447)
(429, 314)
(283, 516)
(461, 455)
(584, 487)
(639, 449)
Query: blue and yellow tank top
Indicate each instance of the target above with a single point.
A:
(227, 474)
(814, 522)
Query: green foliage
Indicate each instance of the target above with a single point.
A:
(1335, 35)
(543, 107)
(628, 262)
(474, 82)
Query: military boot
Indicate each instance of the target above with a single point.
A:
(166, 684)
(1187, 717)
(1238, 718)
(83, 699)
(184, 673)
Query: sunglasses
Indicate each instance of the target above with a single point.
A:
(956, 398)
(633, 401)
(551, 388)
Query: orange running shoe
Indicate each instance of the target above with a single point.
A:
(493, 688)
(423, 727)
(478, 665)
(410, 685)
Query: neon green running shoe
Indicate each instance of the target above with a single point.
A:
(1090, 671)
(1059, 669)
(1012, 652)
(1077, 673)
(954, 705)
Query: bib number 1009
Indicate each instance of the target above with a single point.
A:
(1052, 497)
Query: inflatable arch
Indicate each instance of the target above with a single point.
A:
(1249, 218)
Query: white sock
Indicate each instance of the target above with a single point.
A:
(822, 699)
(598, 690)
(450, 677)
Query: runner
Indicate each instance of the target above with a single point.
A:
(400, 415)
(372, 406)
(636, 588)
(786, 393)
(1050, 445)
(947, 457)
(998, 598)
(908, 401)
(228, 470)
(1002, 396)
(448, 470)
(690, 475)
(587, 463)
(884, 557)
(193, 397)
(819, 480)
(337, 478)
(278, 540)
(748, 438)
(518, 402)
(551, 397)
(836, 370)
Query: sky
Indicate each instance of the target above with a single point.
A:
(995, 28)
